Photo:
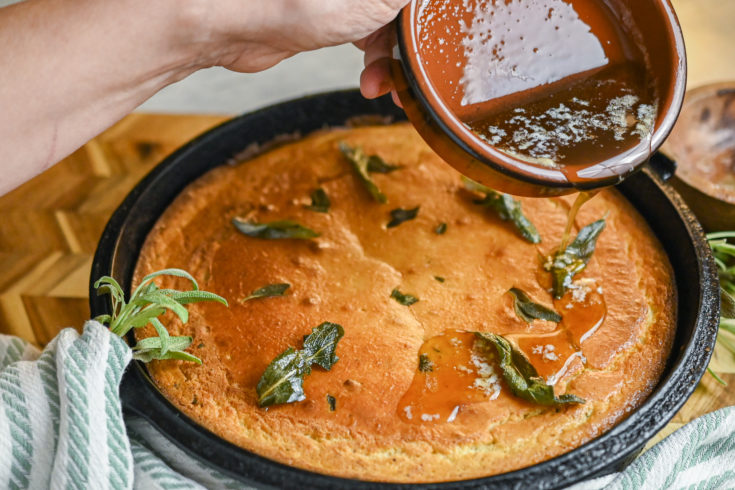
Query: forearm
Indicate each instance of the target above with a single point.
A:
(72, 68)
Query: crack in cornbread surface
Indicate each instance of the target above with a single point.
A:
(346, 276)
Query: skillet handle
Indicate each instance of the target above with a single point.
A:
(662, 165)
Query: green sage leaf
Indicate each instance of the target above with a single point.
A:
(521, 376)
(360, 163)
(174, 343)
(157, 298)
(441, 229)
(196, 296)
(400, 216)
(529, 311)
(163, 348)
(507, 208)
(283, 379)
(268, 291)
(439, 278)
(321, 345)
(146, 304)
(332, 402)
(565, 264)
(275, 230)
(319, 201)
(404, 299)
(148, 356)
(425, 364)
(377, 165)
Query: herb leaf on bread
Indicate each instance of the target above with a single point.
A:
(377, 165)
(529, 311)
(404, 299)
(268, 291)
(275, 230)
(319, 201)
(283, 379)
(361, 164)
(521, 376)
(507, 208)
(565, 264)
(400, 216)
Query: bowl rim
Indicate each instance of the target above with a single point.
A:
(434, 108)
(140, 395)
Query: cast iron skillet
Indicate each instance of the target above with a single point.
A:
(671, 220)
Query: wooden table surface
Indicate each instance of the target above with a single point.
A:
(50, 226)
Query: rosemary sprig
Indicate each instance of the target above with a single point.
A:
(146, 304)
(724, 253)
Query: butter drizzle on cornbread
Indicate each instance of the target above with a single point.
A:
(347, 275)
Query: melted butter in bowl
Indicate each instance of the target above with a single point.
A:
(540, 97)
(551, 82)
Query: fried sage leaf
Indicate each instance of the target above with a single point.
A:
(283, 379)
(521, 376)
(404, 299)
(565, 264)
(268, 291)
(425, 364)
(319, 201)
(529, 311)
(507, 208)
(321, 344)
(332, 402)
(377, 165)
(275, 230)
(361, 162)
(399, 216)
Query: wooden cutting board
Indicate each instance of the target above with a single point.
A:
(50, 226)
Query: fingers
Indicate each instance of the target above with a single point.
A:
(375, 79)
(396, 100)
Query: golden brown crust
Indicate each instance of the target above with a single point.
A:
(347, 275)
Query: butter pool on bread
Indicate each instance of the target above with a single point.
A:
(347, 276)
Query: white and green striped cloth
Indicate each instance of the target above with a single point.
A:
(61, 426)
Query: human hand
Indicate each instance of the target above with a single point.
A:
(251, 40)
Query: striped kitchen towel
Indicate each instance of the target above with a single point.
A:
(61, 426)
(61, 422)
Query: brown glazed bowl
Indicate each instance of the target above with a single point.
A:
(703, 146)
(465, 151)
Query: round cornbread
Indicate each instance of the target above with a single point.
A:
(347, 275)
